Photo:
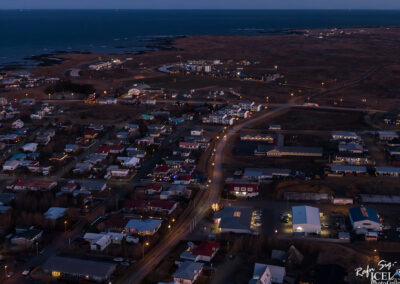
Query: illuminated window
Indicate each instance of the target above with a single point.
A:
(237, 214)
(56, 273)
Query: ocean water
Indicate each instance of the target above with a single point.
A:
(34, 32)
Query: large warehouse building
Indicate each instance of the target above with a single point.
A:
(306, 220)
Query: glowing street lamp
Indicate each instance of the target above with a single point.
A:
(65, 226)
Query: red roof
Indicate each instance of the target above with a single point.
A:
(115, 221)
(70, 185)
(185, 177)
(206, 248)
(161, 204)
(135, 204)
(91, 132)
(162, 169)
(35, 183)
(108, 148)
(154, 186)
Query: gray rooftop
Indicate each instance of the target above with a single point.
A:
(188, 270)
(234, 217)
(82, 267)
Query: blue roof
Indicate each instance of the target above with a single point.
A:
(361, 213)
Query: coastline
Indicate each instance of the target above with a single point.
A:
(158, 43)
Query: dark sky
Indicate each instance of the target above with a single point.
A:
(199, 4)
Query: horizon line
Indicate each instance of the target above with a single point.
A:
(202, 9)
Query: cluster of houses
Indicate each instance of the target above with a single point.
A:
(272, 145)
(229, 114)
(365, 221)
(219, 69)
(105, 64)
(17, 80)
(353, 159)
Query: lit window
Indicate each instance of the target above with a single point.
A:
(237, 214)
(56, 273)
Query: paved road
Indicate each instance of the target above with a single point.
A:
(191, 216)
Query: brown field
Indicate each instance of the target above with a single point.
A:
(338, 61)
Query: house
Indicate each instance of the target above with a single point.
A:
(387, 135)
(30, 147)
(270, 138)
(134, 152)
(81, 168)
(348, 169)
(145, 141)
(132, 128)
(351, 147)
(43, 139)
(205, 251)
(197, 132)
(114, 223)
(306, 219)
(101, 65)
(188, 272)
(286, 151)
(154, 188)
(352, 158)
(110, 149)
(377, 198)
(79, 269)
(94, 186)
(128, 162)
(345, 135)
(174, 190)
(34, 185)
(55, 213)
(98, 242)
(265, 173)
(143, 227)
(267, 274)
(234, 219)
(189, 145)
(364, 219)
(388, 171)
(147, 117)
(242, 187)
(90, 134)
(69, 187)
(26, 237)
(116, 171)
(11, 165)
(18, 124)
(163, 172)
(162, 206)
(176, 120)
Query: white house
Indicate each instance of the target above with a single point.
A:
(306, 219)
(364, 219)
(17, 124)
(11, 165)
(30, 147)
(128, 162)
(267, 274)
(197, 132)
(345, 135)
(98, 241)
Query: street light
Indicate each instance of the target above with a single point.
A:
(144, 244)
(65, 226)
